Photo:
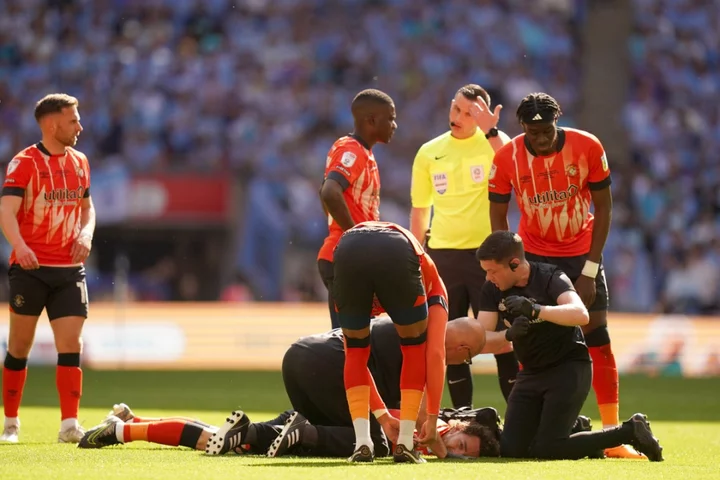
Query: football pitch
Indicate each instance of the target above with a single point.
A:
(684, 415)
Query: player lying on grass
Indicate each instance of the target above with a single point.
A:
(460, 438)
(312, 371)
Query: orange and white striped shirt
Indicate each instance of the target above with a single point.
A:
(552, 191)
(353, 166)
(52, 188)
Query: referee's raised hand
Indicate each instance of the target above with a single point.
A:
(484, 118)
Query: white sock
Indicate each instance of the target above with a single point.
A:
(120, 432)
(362, 433)
(407, 430)
(12, 422)
(68, 424)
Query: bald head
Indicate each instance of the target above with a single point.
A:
(464, 339)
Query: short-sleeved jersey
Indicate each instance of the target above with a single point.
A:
(547, 344)
(451, 175)
(435, 291)
(553, 192)
(52, 188)
(353, 166)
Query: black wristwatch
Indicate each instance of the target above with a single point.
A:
(493, 132)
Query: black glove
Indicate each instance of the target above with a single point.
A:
(519, 328)
(518, 305)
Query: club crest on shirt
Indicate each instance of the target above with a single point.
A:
(604, 161)
(348, 159)
(12, 165)
(440, 182)
(477, 173)
(571, 170)
(80, 172)
(493, 171)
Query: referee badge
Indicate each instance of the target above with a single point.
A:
(440, 182)
(477, 173)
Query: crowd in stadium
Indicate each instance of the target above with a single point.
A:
(264, 91)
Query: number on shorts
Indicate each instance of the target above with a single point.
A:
(83, 292)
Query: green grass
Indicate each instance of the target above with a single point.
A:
(684, 416)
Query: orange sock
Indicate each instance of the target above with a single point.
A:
(412, 380)
(357, 381)
(606, 384)
(69, 386)
(12, 390)
(137, 419)
(166, 432)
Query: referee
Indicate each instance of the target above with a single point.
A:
(450, 174)
(541, 315)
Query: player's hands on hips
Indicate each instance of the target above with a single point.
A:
(518, 328)
(519, 305)
(484, 118)
(586, 289)
(391, 426)
(26, 257)
(81, 248)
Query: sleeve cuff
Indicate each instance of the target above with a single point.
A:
(602, 184)
(339, 178)
(499, 197)
(437, 300)
(14, 191)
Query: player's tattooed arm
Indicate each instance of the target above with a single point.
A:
(333, 201)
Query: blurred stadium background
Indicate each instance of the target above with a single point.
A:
(207, 123)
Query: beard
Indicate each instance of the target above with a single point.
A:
(67, 141)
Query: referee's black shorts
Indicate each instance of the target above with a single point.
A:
(572, 266)
(463, 278)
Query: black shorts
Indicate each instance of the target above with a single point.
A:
(313, 375)
(572, 266)
(382, 263)
(463, 278)
(543, 407)
(61, 290)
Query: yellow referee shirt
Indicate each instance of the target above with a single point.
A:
(451, 175)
